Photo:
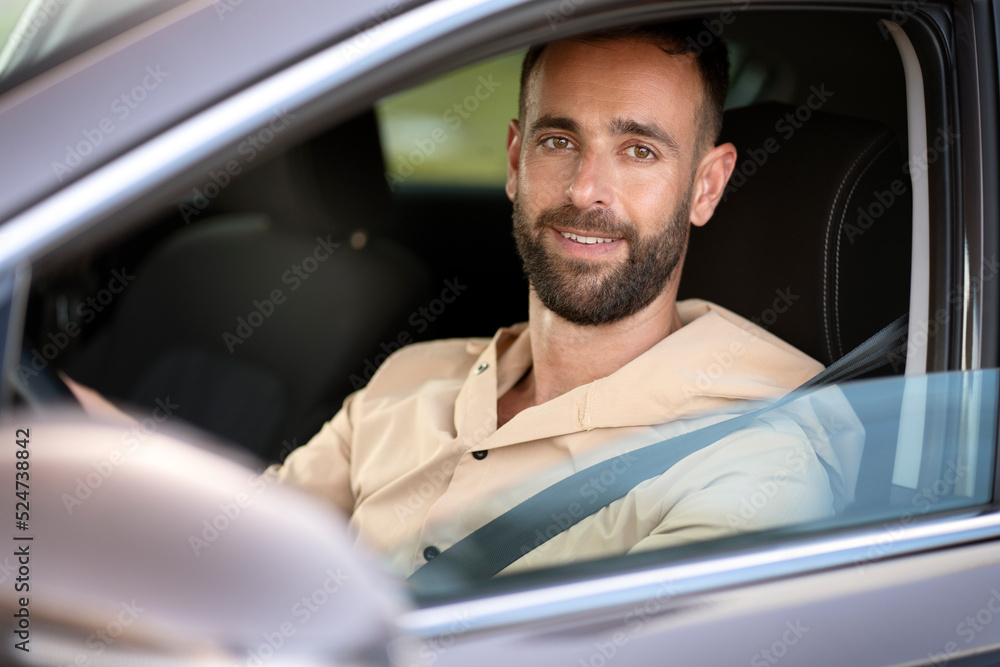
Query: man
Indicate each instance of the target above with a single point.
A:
(612, 157)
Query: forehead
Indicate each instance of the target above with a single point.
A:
(621, 78)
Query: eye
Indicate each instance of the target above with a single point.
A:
(644, 153)
(558, 142)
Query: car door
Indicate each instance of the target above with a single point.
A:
(909, 581)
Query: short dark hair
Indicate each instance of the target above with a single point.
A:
(676, 39)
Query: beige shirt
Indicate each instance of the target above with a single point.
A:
(405, 456)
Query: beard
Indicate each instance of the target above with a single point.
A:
(600, 292)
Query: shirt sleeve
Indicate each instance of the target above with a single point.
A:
(321, 467)
(752, 480)
(768, 480)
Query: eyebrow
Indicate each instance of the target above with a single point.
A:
(621, 126)
(617, 127)
(550, 122)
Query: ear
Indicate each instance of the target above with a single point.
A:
(513, 156)
(710, 180)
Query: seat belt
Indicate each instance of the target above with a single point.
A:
(489, 549)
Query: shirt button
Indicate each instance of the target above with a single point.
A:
(431, 553)
(480, 455)
(481, 367)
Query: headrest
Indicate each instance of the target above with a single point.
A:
(334, 183)
(812, 237)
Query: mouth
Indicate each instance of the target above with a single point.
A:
(588, 240)
(587, 245)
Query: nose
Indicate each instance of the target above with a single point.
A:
(593, 183)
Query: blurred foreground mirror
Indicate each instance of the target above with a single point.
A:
(128, 546)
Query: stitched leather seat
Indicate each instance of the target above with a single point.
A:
(812, 239)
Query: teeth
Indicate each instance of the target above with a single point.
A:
(586, 239)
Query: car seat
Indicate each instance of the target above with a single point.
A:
(812, 242)
(812, 237)
(256, 331)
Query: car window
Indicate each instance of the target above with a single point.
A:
(275, 285)
(451, 131)
(840, 456)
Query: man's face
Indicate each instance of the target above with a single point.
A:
(602, 177)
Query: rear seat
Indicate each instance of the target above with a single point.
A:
(257, 325)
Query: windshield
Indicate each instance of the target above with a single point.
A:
(37, 35)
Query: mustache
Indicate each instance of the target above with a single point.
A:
(601, 222)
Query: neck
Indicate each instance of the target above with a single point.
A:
(567, 355)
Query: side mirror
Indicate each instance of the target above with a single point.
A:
(126, 540)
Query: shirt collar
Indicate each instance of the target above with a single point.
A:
(715, 359)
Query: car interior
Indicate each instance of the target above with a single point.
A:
(262, 299)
